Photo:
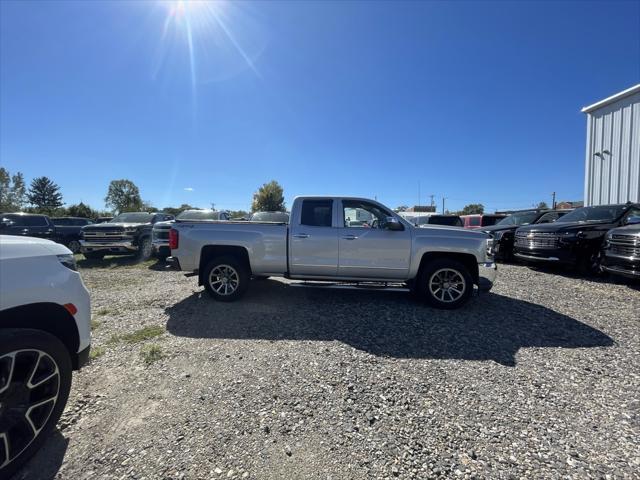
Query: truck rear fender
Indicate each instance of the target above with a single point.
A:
(209, 252)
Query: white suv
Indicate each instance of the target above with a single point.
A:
(45, 333)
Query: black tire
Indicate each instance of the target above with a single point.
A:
(590, 264)
(93, 255)
(145, 249)
(456, 284)
(25, 349)
(74, 246)
(162, 258)
(215, 272)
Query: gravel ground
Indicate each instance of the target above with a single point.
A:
(540, 378)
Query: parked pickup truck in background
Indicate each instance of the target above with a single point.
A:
(575, 239)
(126, 234)
(27, 225)
(622, 250)
(481, 220)
(68, 231)
(441, 264)
(160, 231)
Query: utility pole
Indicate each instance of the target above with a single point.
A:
(443, 199)
(213, 206)
(553, 202)
(418, 193)
(432, 195)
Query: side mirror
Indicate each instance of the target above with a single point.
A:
(392, 223)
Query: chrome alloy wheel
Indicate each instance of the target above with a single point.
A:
(447, 285)
(224, 279)
(29, 389)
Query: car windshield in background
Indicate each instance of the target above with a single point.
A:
(488, 220)
(270, 217)
(521, 218)
(603, 213)
(198, 215)
(133, 218)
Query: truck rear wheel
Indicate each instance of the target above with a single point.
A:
(226, 279)
(35, 379)
(445, 283)
(145, 249)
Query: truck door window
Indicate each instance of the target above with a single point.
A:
(316, 213)
(363, 215)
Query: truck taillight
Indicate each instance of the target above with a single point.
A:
(173, 239)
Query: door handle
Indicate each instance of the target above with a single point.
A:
(300, 235)
(350, 237)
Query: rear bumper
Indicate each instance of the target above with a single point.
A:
(487, 274)
(119, 247)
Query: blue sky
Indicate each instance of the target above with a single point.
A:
(475, 101)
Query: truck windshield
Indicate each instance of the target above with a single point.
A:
(133, 218)
(520, 218)
(603, 213)
(198, 215)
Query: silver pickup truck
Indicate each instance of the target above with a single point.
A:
(339, 239)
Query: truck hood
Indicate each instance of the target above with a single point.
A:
(16, 247)
(447, 231)
(499, 228)
(108, 225)
(563, 227)
(628, 230)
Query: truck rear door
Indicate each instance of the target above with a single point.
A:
(313, 239)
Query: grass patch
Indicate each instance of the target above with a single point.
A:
(141, 335)
(96, 352)
(95, 324)
(103, 311)
(151, 353)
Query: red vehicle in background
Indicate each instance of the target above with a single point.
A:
(481, 220)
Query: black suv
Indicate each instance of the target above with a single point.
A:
(576, 239)
(68, 231)
(503, 232)
(127, 234)
(27, 225)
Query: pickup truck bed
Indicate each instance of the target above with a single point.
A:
(337, 239)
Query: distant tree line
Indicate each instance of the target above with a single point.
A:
(44, 196)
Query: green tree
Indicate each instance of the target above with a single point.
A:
(177, 210)
(147, 207)
(44, 195)
(269, 198)
(5, 190)
(472, 208)
(82, 210)
(18, 192)
(13, 192)
(543, 206)
(123, 196)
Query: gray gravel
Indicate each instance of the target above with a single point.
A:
(540, 378)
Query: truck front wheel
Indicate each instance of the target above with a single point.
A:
(35, 378)
(226, 279)
(445, 283)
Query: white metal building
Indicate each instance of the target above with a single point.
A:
(612, 169)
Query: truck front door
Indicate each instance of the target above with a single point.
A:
(313, 242)
(366, 248)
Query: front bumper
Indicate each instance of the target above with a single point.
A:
(557, 255)
(624, 266)
(487, 273)
(116, 247)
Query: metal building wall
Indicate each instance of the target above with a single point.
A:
(612, 170)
